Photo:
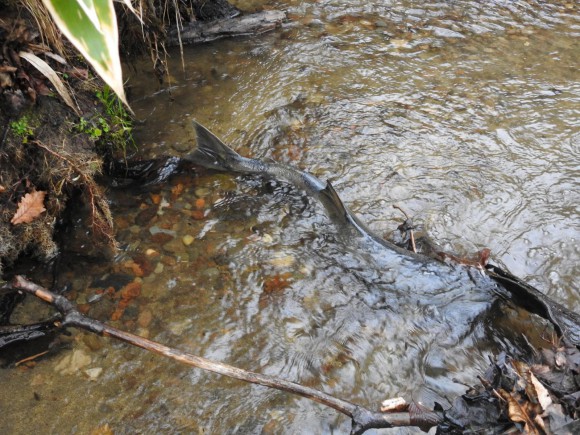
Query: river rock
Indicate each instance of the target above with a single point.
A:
(92, 341)
(175, 246)
(73, 362)
(182, 147)
(145, 216)
(145, 318)
(94, 373)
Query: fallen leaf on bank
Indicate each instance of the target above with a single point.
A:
(2, 189)
(29, 207)
(79, 73)
(51, 75)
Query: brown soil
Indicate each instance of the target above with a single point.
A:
(41, 148)
(41, 145)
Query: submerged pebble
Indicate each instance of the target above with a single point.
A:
(282, 261)
(187, 239)
(92, 341)
(73, 362)
(94, 373)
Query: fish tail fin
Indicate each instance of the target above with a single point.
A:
(211, 152)
(334, 204)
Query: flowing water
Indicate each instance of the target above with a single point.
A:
(466, 114)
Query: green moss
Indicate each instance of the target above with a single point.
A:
(22, 128)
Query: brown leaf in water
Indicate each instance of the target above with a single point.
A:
(29, 207)
(542, 393)
(518, 413)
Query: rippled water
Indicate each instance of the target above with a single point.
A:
(463, 113)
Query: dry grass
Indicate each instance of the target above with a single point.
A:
(49, 33)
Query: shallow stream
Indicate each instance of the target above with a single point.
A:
(465, 114)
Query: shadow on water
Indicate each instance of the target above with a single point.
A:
(465, 114)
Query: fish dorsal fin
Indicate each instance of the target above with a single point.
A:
(333, 203)
(211, 152)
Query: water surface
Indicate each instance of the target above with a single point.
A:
(463, 113)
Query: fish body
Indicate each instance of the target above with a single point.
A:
(427, 276)
(212, 153)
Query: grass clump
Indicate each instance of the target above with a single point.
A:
(114, 129)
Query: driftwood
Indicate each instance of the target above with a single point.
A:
(251, 24)
(362, 418)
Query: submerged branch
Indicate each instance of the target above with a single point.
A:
(362, 418)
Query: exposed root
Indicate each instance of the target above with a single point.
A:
(101, 218)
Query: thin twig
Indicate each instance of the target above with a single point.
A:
(362, 418)
(30, 358)
(412, 237)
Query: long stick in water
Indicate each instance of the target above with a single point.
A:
(362, 418)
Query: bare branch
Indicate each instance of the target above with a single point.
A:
(362, 418)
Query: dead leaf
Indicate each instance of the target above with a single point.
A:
(51, 75)
(518, 413)
(2, 189)
(29, 207)
(524, 381)
(541, 392)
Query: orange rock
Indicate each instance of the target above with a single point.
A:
(156, 198)
(83, 308)
(276, 283)
(145, 318)
(197, 215)
(176, 191)
(117, 314)
(131, 290)
(200, 203)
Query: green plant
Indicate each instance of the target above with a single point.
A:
(89, 127)
(120, 129)
(22, 129)
(116, 129)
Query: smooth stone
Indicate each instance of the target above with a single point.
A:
(73, 362)
(94, 373)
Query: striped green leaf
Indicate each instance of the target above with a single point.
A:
(91, 26)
